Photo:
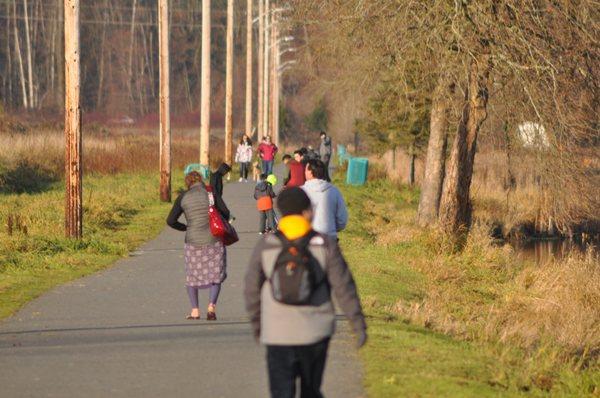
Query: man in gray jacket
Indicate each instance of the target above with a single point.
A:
(325, 152)
(297, 336)
(330, 213)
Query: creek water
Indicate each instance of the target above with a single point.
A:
(544, 251)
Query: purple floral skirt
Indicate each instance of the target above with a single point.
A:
(205, 265)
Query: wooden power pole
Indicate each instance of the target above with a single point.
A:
(165, 101)
(229, 86)
(205, 86)
(266, 33)
(73, 148)
(276, 84)
(273, 76)
(249, 81)
(261, 60)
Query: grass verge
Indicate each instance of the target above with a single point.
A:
(475, 323)
(120, 213)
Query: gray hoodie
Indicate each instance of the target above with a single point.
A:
(331, 215)
(325, 149)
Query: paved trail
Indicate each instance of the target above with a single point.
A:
(122, 333)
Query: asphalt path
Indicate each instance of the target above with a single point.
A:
(122, 332)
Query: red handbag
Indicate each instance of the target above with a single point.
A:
(219, 227)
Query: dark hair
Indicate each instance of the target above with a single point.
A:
(293, 201)
(285, 157)
(322, 133)
(303, 151)
(242, 139)
(317, 168)
(263, 176)
(298, 152)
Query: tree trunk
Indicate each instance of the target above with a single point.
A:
(455, 208)
(29, 56)
(131, 42)
(9, 99)
(101, 66)
(20, 59)
(411, 170)
(431, 189)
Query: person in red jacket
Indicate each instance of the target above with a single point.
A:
(267, 151)
(296, 177)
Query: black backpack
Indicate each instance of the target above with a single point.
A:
(296, 273)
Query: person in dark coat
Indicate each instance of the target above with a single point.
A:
(216, 182)
(325, 152)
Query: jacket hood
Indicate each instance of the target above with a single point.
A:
(294, 226)
(261, 186)
(223, 169)
(317, 185)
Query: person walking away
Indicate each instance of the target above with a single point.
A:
(267, 151)
(325, 152)
(293, 318)
(243, 156)
(205, 256)
(311, 153)
(331, 214)
(216, 182)
(295, 177)
(264, 194)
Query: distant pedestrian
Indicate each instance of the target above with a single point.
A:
(325, 152)
(243, 156)
(331, 215)
(288, 288)
(267, 151)
(264, 194)
(311, 154)
(216, 182)
(205, 256)
(295, 177)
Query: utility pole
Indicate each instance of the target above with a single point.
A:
(229, 86)
(165, 101)
(273, 74)
(73, 171)
(265, 114)
(261, 61)
(249, 82)
(276, 85)
(205, 86)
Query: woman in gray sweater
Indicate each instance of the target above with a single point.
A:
(205, 256)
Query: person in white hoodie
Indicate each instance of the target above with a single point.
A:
(330, 213)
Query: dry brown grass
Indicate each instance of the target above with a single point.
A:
(486, 293)
(103, 152)
(558, 303)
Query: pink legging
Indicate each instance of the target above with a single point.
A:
(213, 294)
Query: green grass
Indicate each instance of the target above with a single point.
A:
(120, 213)
(416, 357)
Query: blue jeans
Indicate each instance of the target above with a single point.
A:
(267, 167)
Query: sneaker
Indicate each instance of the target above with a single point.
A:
(241, 179)
(261, 233)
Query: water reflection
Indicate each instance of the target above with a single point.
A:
(544, 251)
